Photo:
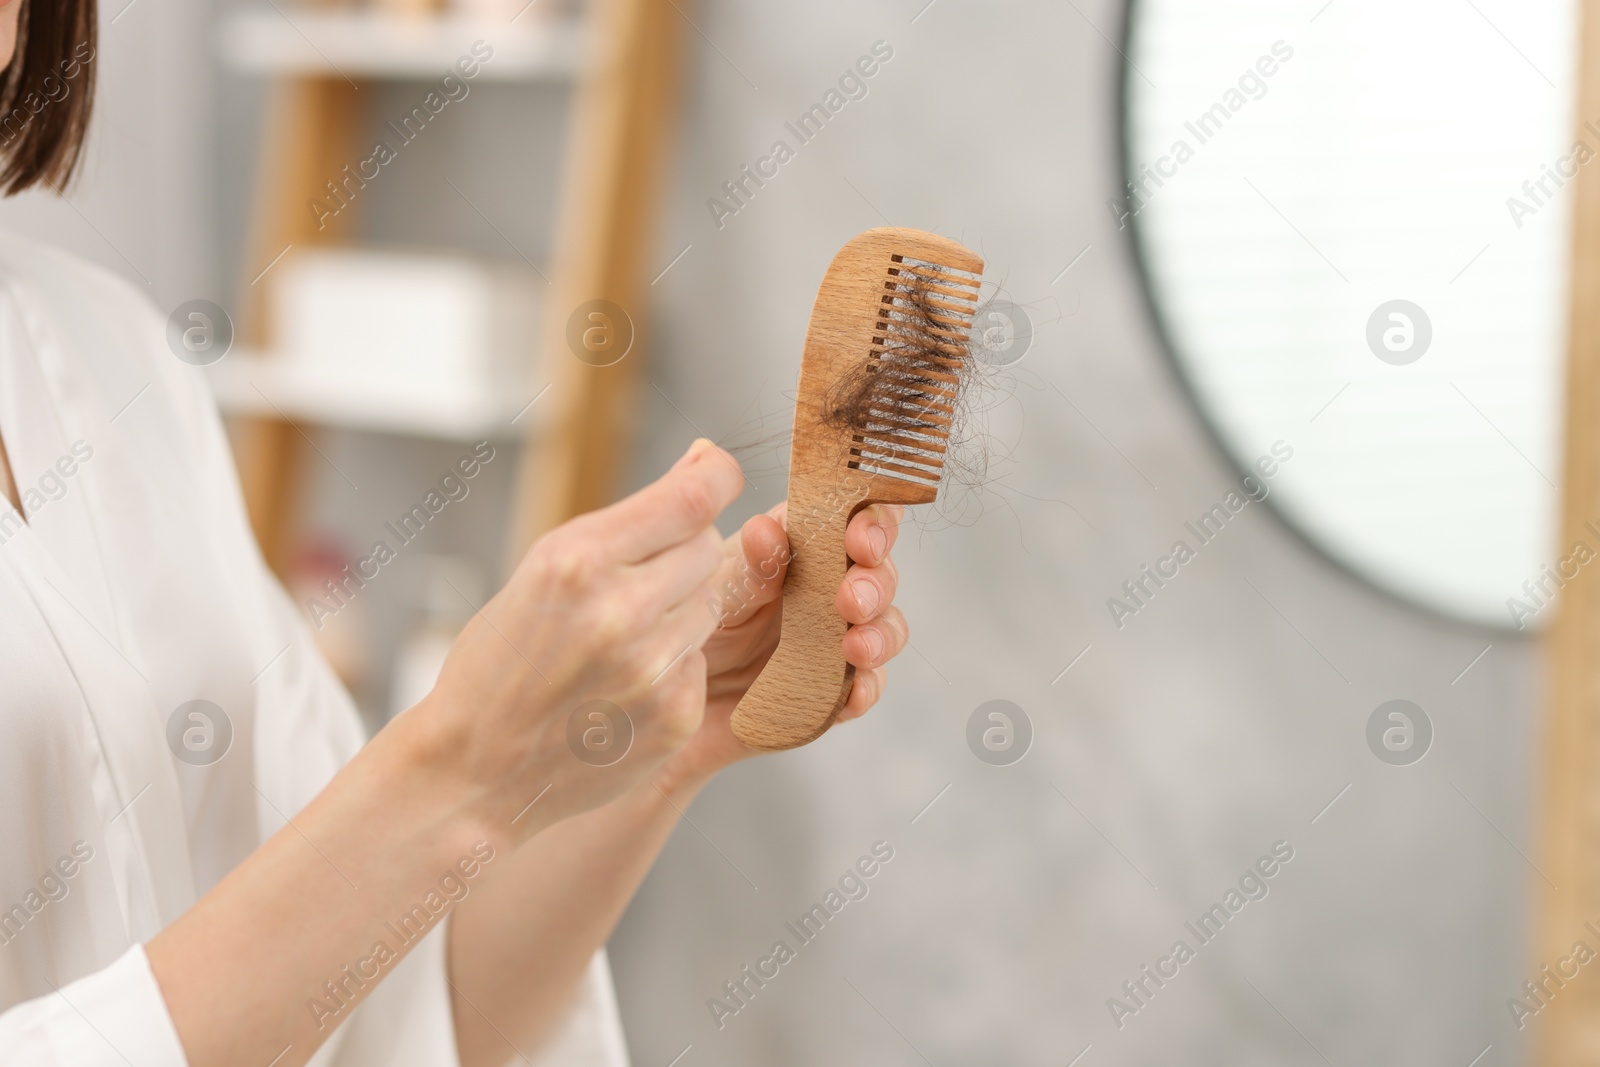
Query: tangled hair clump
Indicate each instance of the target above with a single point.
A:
(922, 401)
(908, 406)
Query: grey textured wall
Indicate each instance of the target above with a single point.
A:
(1172, 755)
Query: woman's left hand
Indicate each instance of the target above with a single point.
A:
(749, 589)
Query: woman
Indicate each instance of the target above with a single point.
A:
(441, 894)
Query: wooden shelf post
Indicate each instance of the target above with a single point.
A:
(615, 167)
(1568, 1028)
(312, 129)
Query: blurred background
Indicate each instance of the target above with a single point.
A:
(1150, 340)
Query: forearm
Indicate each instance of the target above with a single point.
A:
(520, 944)
(280, 952)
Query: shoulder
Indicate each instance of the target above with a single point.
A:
(95, 326)
(84, 319)
(71, 285)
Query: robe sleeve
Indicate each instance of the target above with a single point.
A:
(114, 1017)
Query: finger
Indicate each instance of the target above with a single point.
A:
(875, 643)
(866, 591)
(683, 630)
(759, 563)
(866, 691)
(669, 577)
(670, 510)
(872, 532)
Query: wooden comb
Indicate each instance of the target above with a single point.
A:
(879, 379)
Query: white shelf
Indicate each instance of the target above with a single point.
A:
(252, 383)
(288, 40)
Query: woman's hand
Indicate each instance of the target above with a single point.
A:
(749, 586)
(521, 943)
(614, 607)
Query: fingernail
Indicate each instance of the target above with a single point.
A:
(878, 538)
(699, 446)
(874, 641)
(866, 595)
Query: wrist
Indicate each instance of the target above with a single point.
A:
(451, 813)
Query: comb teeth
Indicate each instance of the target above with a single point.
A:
(919, 348)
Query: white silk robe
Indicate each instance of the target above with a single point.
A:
(134, 587)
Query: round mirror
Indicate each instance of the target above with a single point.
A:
(1353, 229)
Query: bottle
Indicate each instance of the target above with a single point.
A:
(337, 616)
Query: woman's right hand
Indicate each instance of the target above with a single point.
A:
(612, 606)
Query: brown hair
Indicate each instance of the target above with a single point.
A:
(46, 94)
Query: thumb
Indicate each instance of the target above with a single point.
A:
(699, 445)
